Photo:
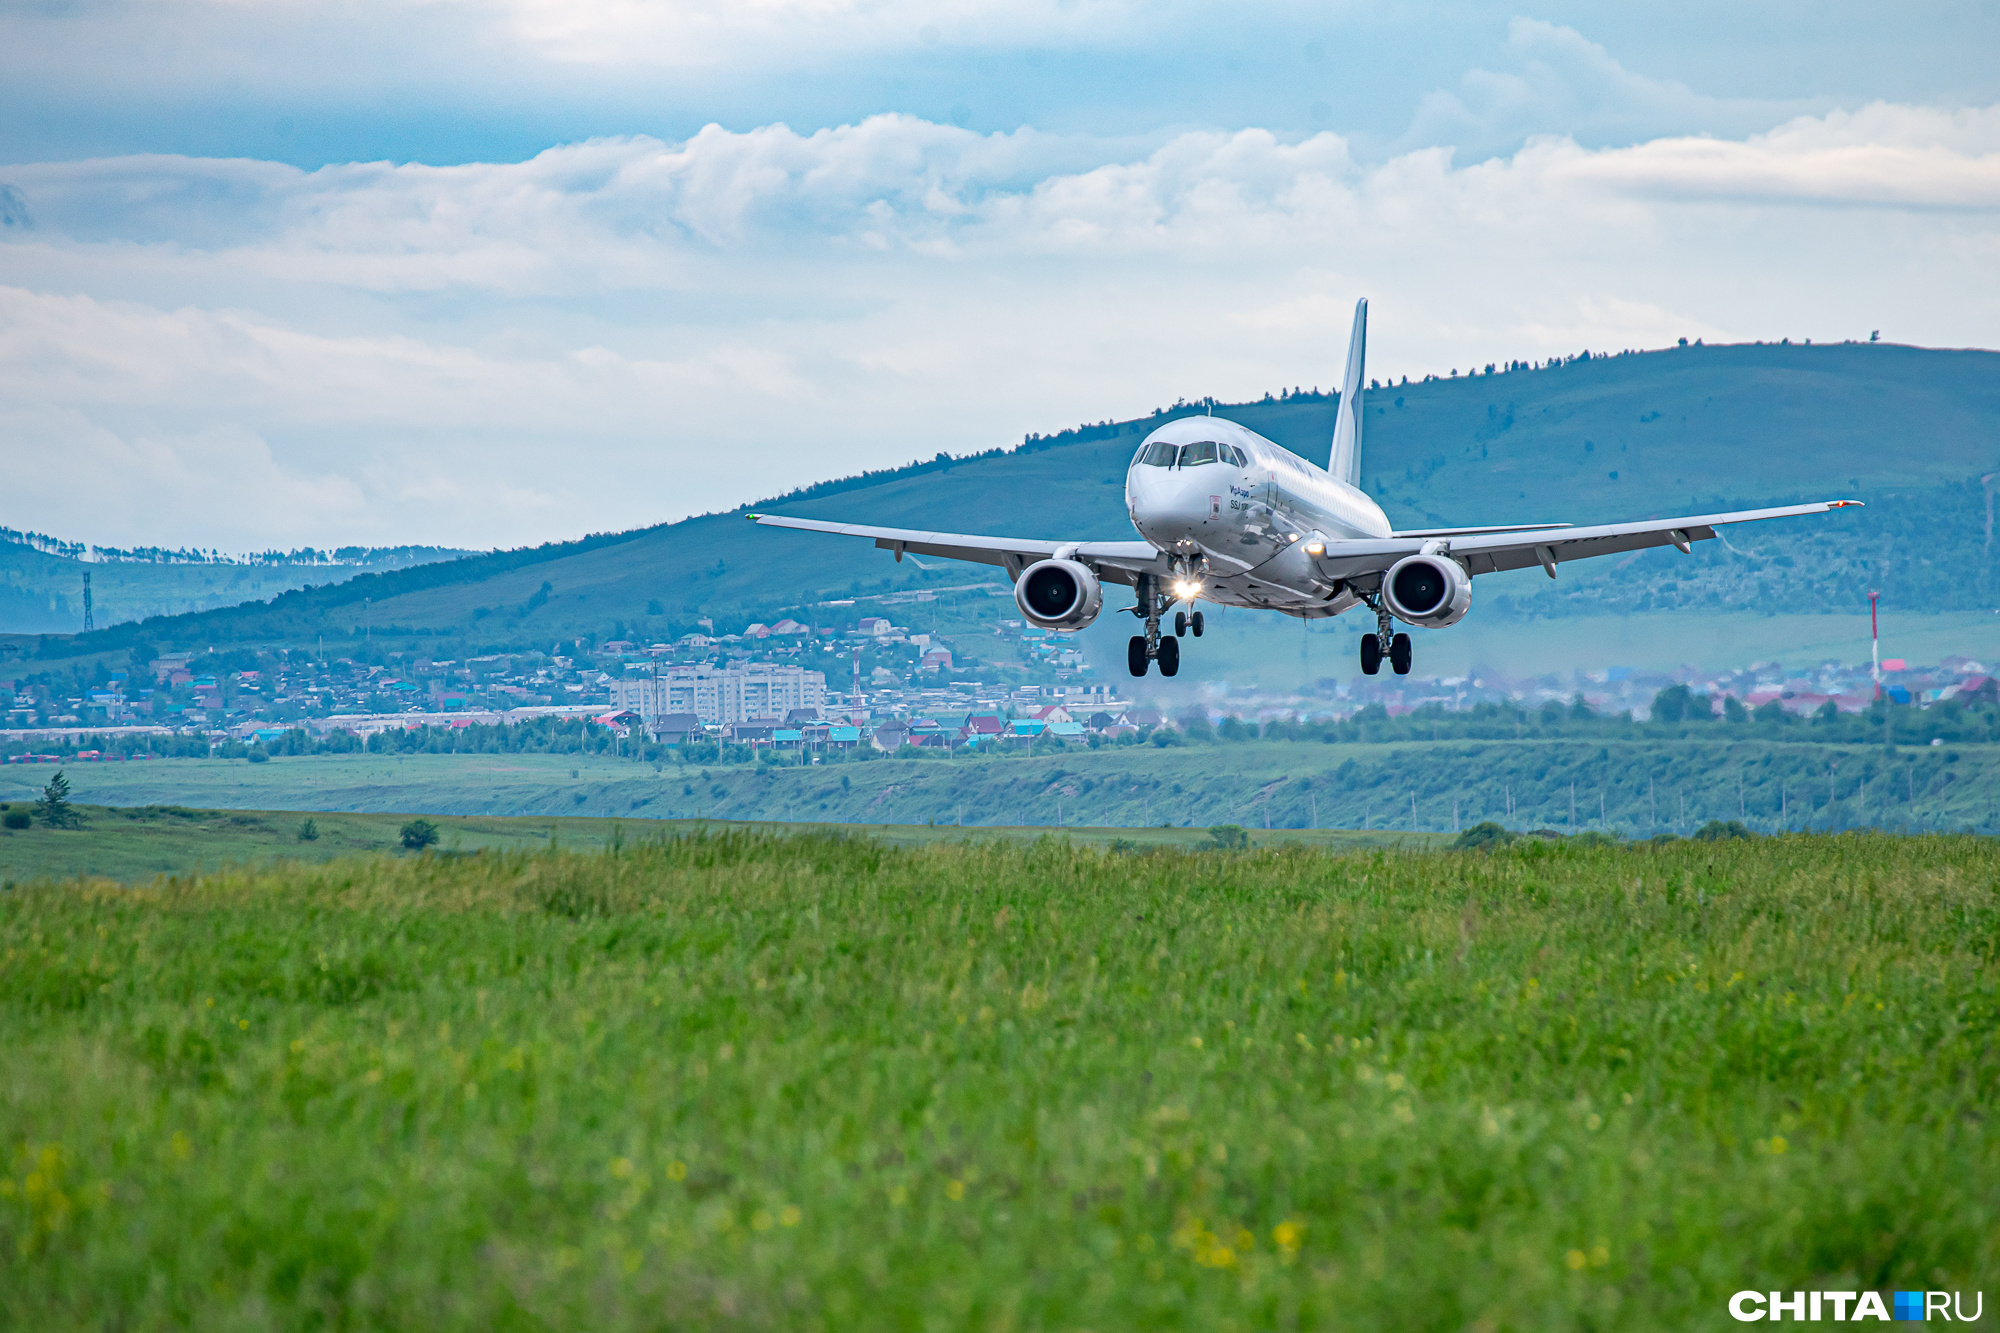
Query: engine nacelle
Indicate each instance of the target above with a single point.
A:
(1058, 594)
(1428, 590)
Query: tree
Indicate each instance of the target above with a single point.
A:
(419, 834)
(1228, 837)
(1721, 830)
(308, 831)
(54, 808)
(1733, 709)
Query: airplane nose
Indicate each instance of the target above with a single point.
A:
(1173, 505)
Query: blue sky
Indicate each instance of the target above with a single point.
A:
(492, 274)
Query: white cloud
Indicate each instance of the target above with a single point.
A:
(1563, 83)
(625, 330)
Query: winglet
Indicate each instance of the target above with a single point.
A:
(1345, 461)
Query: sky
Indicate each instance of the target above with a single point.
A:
(492, 274)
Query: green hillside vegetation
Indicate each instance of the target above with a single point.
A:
(41, 592)
(750, 1082)
(1908, 430)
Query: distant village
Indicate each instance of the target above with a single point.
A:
(792, 686)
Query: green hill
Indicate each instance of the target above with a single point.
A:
(41, 590)
(1910, 430)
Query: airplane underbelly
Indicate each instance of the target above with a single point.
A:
(1246, 591)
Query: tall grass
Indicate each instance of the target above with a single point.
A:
(807, 1082)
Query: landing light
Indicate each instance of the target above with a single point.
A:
(1187, 589)
(1315, 547)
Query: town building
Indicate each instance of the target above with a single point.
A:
(721, 696)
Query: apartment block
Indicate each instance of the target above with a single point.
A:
(722, 695)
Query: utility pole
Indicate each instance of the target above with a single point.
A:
(89, 620)
(1875, 643)
(1413, 812)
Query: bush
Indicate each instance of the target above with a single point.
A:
(1228, 837)
(1484, 836)
(419, 834)
(1720, 830)
(17, 819)
(259, 756)
(308, 831)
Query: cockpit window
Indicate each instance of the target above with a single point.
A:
(1158, 454)
(1235, 455)
(1194, 455)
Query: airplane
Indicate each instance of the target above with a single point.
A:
(1228, 517)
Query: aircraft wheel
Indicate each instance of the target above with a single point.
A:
(1371, 654)
(1170, 656)
(1135, 655)
(1195, 621)
(1399, 654)
(1180, 623)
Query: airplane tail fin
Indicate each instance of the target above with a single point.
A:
(1345, 462)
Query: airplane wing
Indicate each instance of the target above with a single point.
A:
(1477, 532)
(1493, 551)
(1120, 562)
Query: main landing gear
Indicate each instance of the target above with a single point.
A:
(1145, 649)
(1371, 644)
(1167, 653)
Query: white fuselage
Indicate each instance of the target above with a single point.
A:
(1242, 512)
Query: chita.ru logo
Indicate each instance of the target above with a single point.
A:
(1843, 1306)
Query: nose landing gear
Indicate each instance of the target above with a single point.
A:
(1145, 649)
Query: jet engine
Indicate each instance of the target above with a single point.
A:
(1058, 594)
(1428, 590)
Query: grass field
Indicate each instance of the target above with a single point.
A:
(139, 842)
(812, 1082)
(1639, 785)
(132, 844)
